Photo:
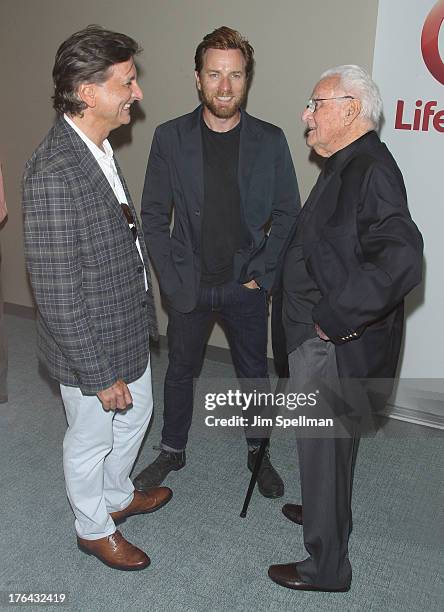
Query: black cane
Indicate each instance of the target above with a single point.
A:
(281, 366)
(257, 465)
(280, 387)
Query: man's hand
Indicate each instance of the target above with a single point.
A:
(322, 335)
(252, 285)
(116, 397)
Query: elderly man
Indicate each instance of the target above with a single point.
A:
(353, 257)
(88, 268)
(229, 177)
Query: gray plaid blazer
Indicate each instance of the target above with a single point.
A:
(94, 315)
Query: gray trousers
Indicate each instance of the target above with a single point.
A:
(326, 472)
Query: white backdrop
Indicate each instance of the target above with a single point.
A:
(414, 132)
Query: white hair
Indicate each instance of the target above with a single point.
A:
(357, 82)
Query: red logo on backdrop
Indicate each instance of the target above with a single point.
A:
(429, 41)
(426, 115)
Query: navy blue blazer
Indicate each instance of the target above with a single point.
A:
(174, 178)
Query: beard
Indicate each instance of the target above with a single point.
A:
(223, 111)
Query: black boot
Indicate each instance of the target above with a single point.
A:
(155, 473)
(268, 480)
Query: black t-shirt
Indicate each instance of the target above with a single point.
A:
(222, 227)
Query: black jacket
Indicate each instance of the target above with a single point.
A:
(365, 254)
(174, 177)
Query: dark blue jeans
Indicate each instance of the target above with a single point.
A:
(242, 313)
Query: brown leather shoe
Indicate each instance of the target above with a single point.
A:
(287, 575)
(293, 512)
(116, 552)
(144, 503)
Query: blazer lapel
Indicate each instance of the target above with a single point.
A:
(133, 210)
(124, 185)
(90, 166)
(191, 157)
(250, 138)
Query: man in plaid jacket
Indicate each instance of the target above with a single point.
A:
(88, 267)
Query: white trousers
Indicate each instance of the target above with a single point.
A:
(99, 450)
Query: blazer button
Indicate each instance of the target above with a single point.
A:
(197, 213)
(144, 304)
(140, 269)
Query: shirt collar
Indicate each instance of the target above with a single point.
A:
(100, 155)
(338, 159)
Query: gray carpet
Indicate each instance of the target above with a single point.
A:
(204, 556)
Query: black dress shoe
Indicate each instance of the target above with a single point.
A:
(269, 482)
(155, 473)
(287, 575)
(293, 512)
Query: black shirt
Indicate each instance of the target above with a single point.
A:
(222, 227)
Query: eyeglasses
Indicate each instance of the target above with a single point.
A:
(312, 105)
(130, 219)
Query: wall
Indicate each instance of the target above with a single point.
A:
(419, 154)
(294, 42)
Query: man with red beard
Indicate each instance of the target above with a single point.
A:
(228, 175)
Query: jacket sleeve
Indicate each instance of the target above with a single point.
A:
(388, 267)
(55, 272)
(157, 202)
(285, 209)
